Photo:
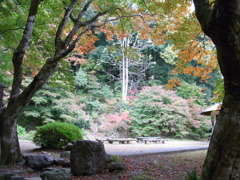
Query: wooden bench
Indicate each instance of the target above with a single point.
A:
(121, 140)
(146, 140)
(102, 140)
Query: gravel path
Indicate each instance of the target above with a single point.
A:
(138, 148)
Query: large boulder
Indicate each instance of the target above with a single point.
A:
(87, 158)
(38, 161)
(56, 174)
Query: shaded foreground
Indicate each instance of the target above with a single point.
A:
(141, 167)
(163, 167)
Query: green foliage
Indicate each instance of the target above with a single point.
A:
(116, 158)
(219, 91)
(158, 112)
(160, 72)
(80, 79)
(52, 104)
(168, 54)
(191, 91)
(56, 135)
(21, 130)
(28, 136)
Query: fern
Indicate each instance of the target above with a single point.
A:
(39, 100)
(34, 114)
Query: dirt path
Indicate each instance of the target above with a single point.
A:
(137, 148)
(141, 148)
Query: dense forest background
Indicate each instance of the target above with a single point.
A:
(119, 82)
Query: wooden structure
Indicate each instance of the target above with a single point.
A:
(146, 140)
(119, 140)
(212, 111)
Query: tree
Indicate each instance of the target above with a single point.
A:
(126, 56)
(220, 21)
(72, 27)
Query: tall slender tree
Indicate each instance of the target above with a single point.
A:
(220, 20)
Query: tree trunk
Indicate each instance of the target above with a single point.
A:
(223, 157)
(10, 148)
(220, 21)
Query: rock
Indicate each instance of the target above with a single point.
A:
(29, 170)
(56, 174)
(68, 146)
(17, 178)
(10, 174)
(65, 154)
(6, 176)
(88, 158)
(115, 166)
(62, 162)
(67, 164)
(38, 162)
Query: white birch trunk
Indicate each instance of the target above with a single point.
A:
(125, 43)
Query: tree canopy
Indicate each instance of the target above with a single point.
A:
(40, 37)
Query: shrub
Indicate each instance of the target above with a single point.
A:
(191, 91)
(56, 135)
(116, 159)
(159, 112)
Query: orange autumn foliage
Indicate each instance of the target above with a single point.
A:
(173, 83)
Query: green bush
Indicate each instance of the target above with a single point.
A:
(156, 111)
(56, 135)
(191, 91)
(159, 112)
(116, 159)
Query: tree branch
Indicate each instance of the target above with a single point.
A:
(80, 24)
(85, 8)
(21, 49)
(58, 40)
(14, 29)
(71, 47)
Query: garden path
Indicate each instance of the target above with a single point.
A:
(138, 148)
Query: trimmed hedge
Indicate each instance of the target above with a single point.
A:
(56, 135)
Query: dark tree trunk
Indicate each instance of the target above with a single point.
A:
(223, 157)
(221, 22)
(10, 149)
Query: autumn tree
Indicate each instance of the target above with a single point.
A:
(126, 56)
(220, 21)
(70, 25)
